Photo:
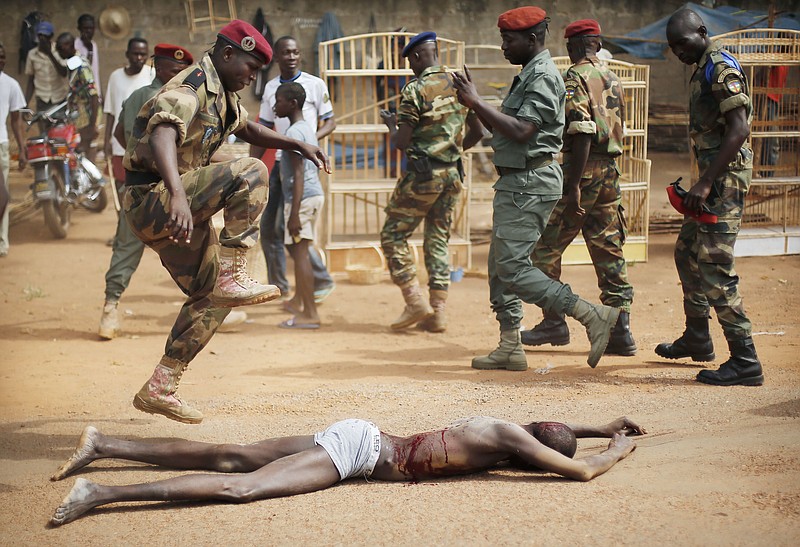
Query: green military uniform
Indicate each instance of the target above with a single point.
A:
(204, 115)
(595, 106)
(128, 249)
(431, 186)
(529, 186)
(704, 252)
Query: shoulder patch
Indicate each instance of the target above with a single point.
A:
(571, 87)
(195, 79)
(728, 72)
(734, 85)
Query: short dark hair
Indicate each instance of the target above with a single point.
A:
(134, 40)
(85, 18)
(557, 436)
(292, 91)
(65, 37)
(284, 38)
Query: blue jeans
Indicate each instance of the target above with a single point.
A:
(272, 233)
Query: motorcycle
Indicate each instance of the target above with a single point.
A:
(63, 177)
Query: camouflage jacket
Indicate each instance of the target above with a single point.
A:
(430, 107)
(717, 86)
(204, 114)
(594, 105)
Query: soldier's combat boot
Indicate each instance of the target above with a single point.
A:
(416, 308)
(622, 342)
(234, 286)
(158, 396)
(551, 330)
(109, 321)
(742, 369)
(598, 320)
(695, 342)
(509, 354)
(438, 321)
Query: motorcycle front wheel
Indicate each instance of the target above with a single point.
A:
(98, 204)
(57, 211)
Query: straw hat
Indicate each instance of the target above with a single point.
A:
(115, 22)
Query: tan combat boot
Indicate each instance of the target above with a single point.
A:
(234, 286)
(599, 320)
(416, 308)
(109, 321)
(158, 396)
(438, 321)
(509, 354)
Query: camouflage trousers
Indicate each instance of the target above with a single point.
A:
(239, 188)
(604, 231)
(704, 253)
(412, 202)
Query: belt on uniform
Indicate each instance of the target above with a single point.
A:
(531, 163)
(436, 164)
(136, 178)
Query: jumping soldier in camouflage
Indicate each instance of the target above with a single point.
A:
(527, 132)
(595, 114)
(429, 129)
(720, 112)
(172, 193)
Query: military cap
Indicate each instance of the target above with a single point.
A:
(245, 37)
(582, 27)
(173, 53)
(420, 38)
(521, 18)
(45, 28)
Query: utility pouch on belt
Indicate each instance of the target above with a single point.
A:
(422, 168)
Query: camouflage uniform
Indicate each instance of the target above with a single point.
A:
(704, 252)
(430, 106)
(595, 106)
(204, 114)
(529, 186)
(81, 90)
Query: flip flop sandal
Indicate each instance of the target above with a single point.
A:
(293, 324)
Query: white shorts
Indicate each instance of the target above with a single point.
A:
(309, 210)
(353, 445)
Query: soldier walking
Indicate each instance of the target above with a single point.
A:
(527, 133)
(591, 205)
(429, 129)
(720, 112)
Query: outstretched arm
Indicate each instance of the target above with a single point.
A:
(524, 446)
(261, 136)
(623, 426)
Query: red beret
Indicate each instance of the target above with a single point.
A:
(583, 27)
(521, 18)
(245, 37)
(173, 53)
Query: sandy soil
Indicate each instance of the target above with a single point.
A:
(720, 466)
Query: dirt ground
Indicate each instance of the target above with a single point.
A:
(720, 466)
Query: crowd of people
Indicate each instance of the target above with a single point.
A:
(164, 126)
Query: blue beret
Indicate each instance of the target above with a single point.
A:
(420, 38)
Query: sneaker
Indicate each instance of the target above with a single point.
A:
(233, 320)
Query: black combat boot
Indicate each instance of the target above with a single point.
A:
(742, 369)
(695, 342)
(622, 342)
(552, 330)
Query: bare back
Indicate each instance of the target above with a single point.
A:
(465, 446)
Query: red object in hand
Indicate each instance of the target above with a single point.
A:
(676, 195)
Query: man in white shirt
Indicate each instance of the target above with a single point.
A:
(318, 113)
(46, 70)
(11, 101)
(86, 46)
(121, 83)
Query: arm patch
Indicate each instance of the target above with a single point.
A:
(195, 79)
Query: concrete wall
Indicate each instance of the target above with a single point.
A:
(473, 21)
